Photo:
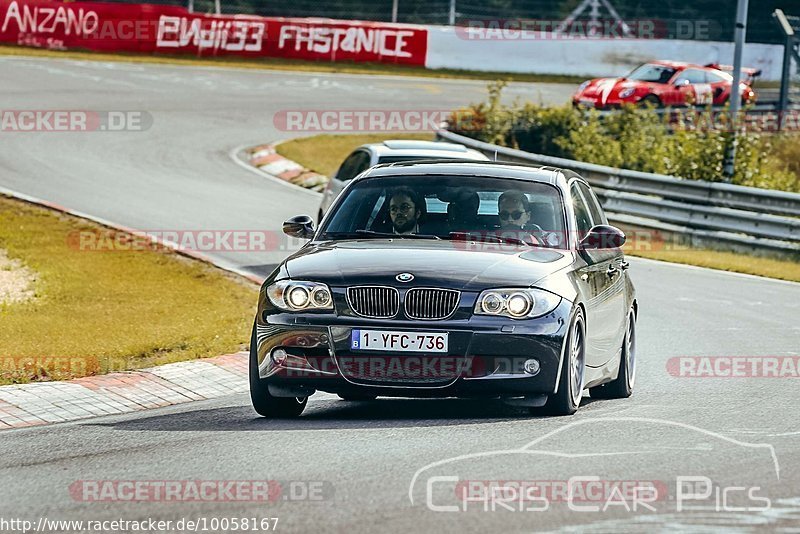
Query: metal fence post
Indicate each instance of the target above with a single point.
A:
(452, 12)
(783, 101)
(735, 99)
(394, 10)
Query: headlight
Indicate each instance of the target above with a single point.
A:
(516, 303)
(625, 93)
(291, 295)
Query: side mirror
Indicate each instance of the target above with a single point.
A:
(601, 237)
(301, 226)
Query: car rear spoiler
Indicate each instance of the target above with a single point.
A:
(750, 72)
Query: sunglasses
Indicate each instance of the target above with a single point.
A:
(504, 215)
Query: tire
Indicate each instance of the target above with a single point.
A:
(265, 404)
(622, 386)
(358, 397)
(570, 387)
(651, 100)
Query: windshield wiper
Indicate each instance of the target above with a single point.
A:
(398, 236)
(467, 236)
(358, 234)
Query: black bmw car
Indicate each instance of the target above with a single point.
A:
(450, 280)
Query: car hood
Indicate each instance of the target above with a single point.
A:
(447, 264)
(604, 88)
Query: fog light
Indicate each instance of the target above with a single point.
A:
(532, 366)
(279, 356)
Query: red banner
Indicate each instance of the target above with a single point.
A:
(150, 28)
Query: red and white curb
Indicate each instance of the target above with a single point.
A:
(41, 403)
(266, 159)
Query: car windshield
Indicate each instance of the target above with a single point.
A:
(651, 73)
(499, 210)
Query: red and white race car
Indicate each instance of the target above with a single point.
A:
(666, 83)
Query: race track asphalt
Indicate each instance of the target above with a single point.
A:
(375, 462)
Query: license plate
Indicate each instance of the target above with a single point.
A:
(398, 341)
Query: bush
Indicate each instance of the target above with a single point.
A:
(634, 138)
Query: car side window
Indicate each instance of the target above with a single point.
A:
(355, 163)
(714, 78)
(583, 217)
(692, 76)
(595, 210)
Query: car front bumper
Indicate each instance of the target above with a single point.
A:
(486, 356)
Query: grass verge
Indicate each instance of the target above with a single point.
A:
(294, 65)
(324, 153)
(98, 311)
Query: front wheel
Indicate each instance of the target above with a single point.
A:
(622, 386)
(570, 388)
(651, 100)
(263, 402)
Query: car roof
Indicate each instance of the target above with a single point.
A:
(423, 149)
(489, 169)
(680, 65)
(403, 144)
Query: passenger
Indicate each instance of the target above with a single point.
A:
(405, 210)
(514, 211)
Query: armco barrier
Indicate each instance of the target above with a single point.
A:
(710, 214)
(150, 28)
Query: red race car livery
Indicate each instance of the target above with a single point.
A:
(666, 83)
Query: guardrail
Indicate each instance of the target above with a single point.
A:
(710, 214)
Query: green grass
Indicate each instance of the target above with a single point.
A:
(324, 153)
(727, 261)
(293, 65)
(102, 311)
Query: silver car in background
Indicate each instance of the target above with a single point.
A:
(393, 151)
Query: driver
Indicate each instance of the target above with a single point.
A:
(405, 210)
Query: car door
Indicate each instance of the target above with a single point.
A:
(719, 86)
(353, 165)
(692, 88)
(599, 281)
(614, 301)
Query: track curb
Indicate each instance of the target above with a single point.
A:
(41, 403)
